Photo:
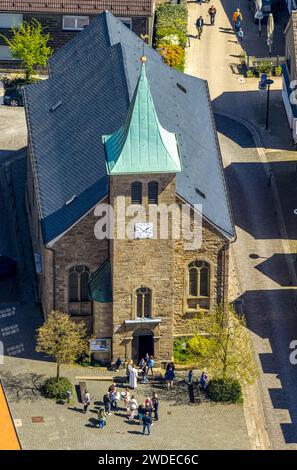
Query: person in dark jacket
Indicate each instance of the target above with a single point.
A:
(169, 377)
(199, 26)
(147, 421)
(155, 403)
(107, 403)
(212, 13)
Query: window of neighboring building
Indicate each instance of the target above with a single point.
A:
(5, 53)
(198, 284)
(143, 302)
(10, 20)
(75, 23)
(136, 192)
(127, 22)
(153, 190)
(78, 284)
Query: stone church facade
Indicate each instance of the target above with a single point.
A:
(139, 292)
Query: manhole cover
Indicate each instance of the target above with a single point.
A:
(37, 419)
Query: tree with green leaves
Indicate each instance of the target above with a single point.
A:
(29, 44)
(225, 345)
(61, 338)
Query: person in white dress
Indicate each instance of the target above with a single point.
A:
(133, 377)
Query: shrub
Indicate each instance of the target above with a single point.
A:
(250, 73)
(173, 55)
(224, 390)
(15, 81)
(57, 389)
(277, 71)
(199, 345)
(181, 355)
(264, 67)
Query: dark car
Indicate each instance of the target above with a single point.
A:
(13, 97)
(7, 266)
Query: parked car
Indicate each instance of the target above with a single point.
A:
(8, 266)
(13, 97)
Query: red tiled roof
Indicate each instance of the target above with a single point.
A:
(117, 7)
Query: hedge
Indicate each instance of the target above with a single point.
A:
(224, 390)
(53, 388)
(171, 23)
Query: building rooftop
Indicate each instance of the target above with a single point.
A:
(117, 7)
(92, 83)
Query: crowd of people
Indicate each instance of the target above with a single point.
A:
(146, 412)
(237, 20)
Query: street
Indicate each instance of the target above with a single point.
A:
(265, 223)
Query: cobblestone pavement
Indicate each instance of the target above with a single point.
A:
(181, 426)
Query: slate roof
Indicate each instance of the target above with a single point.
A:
(117, 7)
(92, 82)
(142, 145)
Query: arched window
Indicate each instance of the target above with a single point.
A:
(198, 285)
(136, 192)
(153, 192)
(143, 302)
(78, 284)
(199, 279)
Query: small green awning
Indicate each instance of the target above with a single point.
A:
(142, 145)
(100, 284)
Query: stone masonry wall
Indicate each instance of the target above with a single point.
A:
(147, 263)
(211, 251)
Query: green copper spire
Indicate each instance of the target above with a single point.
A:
(142, 145)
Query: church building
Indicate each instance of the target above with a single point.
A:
(116, 136)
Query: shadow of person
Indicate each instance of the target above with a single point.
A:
(78, 410)
(93, 423)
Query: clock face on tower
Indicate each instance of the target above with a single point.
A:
(143, 230)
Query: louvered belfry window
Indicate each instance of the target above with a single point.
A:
(136, 192)
(153, 190)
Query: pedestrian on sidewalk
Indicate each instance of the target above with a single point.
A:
(144, 373)
(141, 412)
(240, 35)
(237, 19)
(147, 421)
(212, 13)
(86, 400)
(199, 26)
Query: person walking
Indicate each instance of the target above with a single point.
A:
(237, 19)
(147, 357)
(240, 35)
(212, 13)
(155, 403)
(191, 387)
(133, 408)
(114, 399)
(169, 377)
(203, 381)
(86, 400)
(150, 365)
(147, 421)
(133, 378)
(101, 418)
(199, 26)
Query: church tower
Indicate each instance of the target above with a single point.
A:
(142, 160)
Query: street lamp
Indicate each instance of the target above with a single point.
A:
(268, 83)
(270, 31)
